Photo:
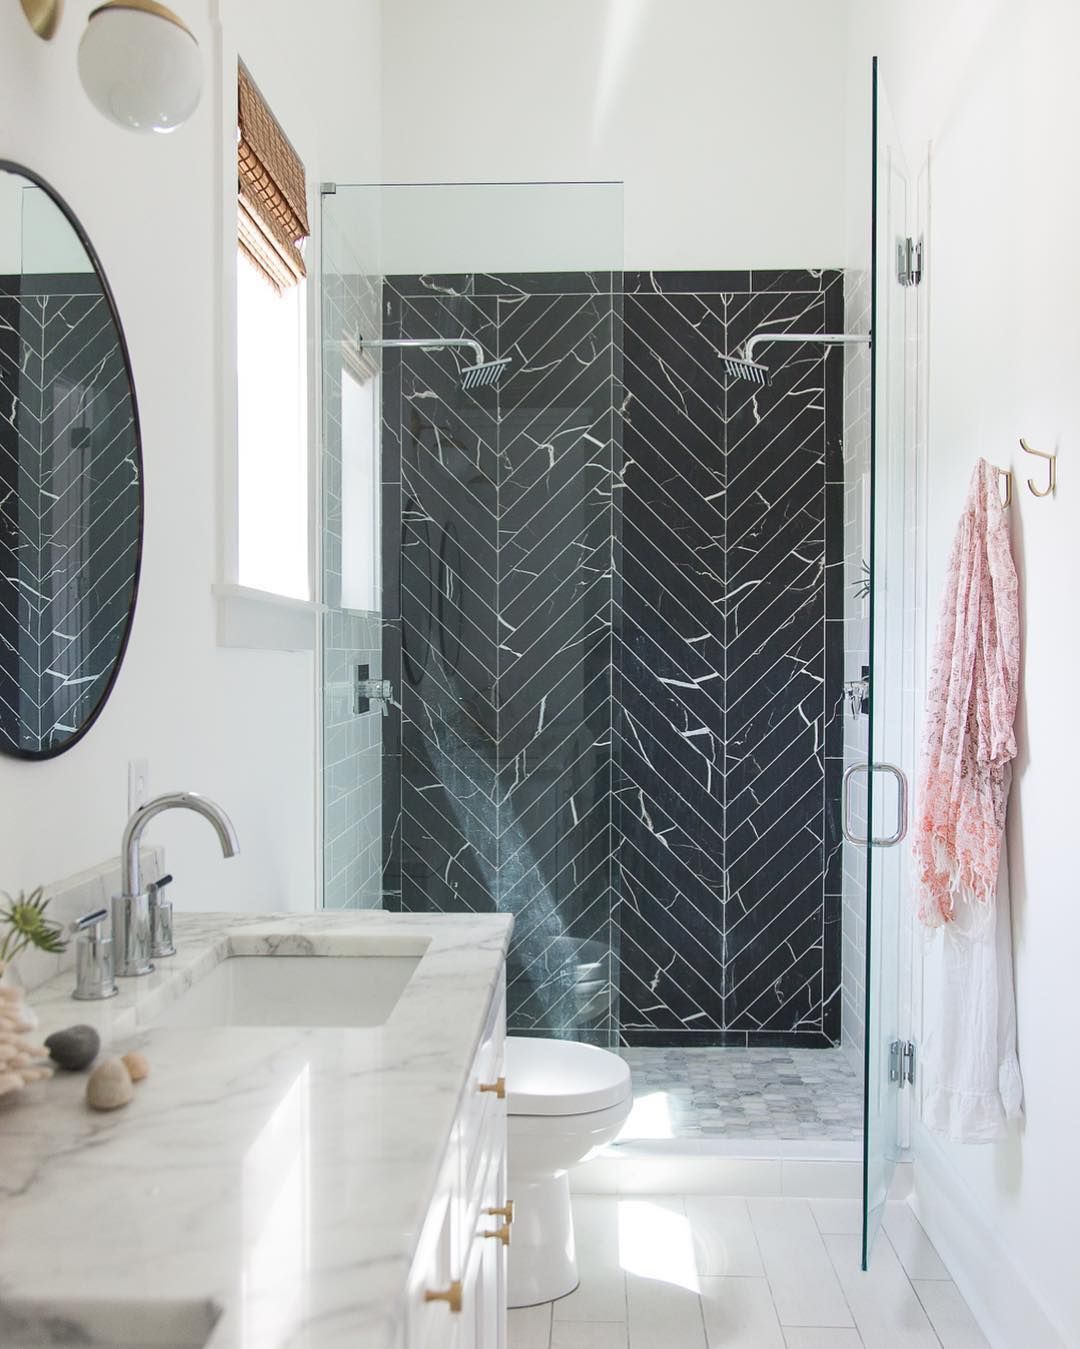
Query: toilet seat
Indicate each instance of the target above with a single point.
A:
(562, 1077)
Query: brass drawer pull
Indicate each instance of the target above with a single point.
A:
(503, 1233)
(498, 1087)
(451, 1296)
(507, 1211)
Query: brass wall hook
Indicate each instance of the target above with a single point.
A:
(1005, 473)
(1051, 489)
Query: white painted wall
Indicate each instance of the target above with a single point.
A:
(238, 725)
(725, 120)
(995, 96)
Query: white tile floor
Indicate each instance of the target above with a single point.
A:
(711, 1272)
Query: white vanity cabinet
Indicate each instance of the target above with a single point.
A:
(457, 1286)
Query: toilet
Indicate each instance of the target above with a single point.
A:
(563, 1100)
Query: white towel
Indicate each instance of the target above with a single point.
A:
(971, 1084)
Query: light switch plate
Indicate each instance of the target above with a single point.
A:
(138, 784)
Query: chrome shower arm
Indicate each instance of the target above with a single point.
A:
(427, 344)
(831, 339)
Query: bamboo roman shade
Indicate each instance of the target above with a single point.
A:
(273, 220)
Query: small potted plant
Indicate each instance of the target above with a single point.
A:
(23, 923)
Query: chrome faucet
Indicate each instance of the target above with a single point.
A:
(134, 912)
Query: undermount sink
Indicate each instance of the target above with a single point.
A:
(33, 1324)
(295, 990)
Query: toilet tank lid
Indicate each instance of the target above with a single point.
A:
(562, 1077)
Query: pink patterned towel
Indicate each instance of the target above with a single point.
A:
(970, 705)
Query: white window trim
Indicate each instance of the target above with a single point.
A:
(262, 621)
(249, 618)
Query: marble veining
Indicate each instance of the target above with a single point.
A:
(67, 573)
(498, 579)
(727, 664)
(280, 1175)
(613, 605)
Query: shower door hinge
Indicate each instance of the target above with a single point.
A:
(909, 261)
(902, 1062)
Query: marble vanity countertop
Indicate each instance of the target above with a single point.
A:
(281, 1175)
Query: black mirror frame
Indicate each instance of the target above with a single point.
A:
(9, 166)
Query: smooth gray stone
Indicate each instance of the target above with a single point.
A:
(75, 1048)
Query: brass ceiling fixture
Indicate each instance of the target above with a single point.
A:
(145, 7)
(43, 16)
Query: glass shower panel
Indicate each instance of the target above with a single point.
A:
(351, 624)
(498, 576)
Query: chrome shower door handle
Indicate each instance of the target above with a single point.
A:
(889, 840)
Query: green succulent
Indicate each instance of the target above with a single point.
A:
(26, 924)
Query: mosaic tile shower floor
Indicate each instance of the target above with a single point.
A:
(743, 1093)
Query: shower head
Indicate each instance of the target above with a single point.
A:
(753, 371)
(484, 374)
(745, 367)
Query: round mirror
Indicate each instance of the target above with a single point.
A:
(71, 480)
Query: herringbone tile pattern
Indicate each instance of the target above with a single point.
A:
(730, 525)
(69, 506)
(614, 577)
(505, 647)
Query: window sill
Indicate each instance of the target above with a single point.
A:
(261, 621)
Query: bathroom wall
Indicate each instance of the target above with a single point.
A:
(238, 725)
(728, 664)
(620, 691)
(993, 103)
(497, 536)
(727, 161)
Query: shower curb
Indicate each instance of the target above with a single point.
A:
(809, 1169)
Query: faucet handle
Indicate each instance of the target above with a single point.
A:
(93, 958)
(161, 920)
(87, 921)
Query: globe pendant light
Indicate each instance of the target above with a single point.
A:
(140, 65)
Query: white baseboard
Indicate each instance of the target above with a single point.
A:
(1000, 1299)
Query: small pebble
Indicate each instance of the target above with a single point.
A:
(109, 1086)
(75, 1048)
(138, 1065)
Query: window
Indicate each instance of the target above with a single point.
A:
(272, 452)
(273, 492)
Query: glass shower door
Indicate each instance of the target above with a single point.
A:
(890, 711)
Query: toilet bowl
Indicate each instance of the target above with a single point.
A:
(563, 1101)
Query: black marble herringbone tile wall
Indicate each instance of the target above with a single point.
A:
(67, 437)
(608, 584)
(731, 542)
(498, 539)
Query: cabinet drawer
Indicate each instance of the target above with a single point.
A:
(465, 1269)
(483, 1116)
(486, 1279)
(435, 1269)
